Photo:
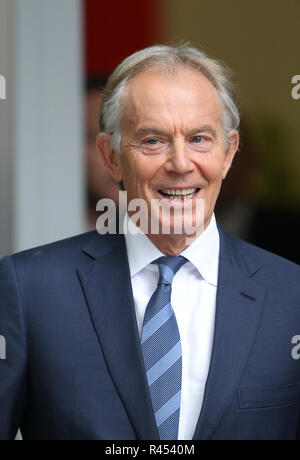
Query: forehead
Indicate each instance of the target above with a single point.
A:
(182, 97)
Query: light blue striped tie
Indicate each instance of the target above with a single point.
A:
(162, 351)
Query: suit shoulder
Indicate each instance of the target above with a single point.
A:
(65, 254)
(61, 252)
(266, 260)
(61, 246)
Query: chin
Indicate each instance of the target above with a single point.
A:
(184, 227)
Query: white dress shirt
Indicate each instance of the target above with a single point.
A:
(193, 299)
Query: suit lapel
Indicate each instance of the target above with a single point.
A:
(107, 287)
(239, 308)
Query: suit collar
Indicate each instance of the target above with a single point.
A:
(237, 253)
(100, 245)
(231, 249)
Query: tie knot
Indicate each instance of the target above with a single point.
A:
(168, 267)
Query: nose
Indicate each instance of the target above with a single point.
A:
(179, 160)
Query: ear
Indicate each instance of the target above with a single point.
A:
(234, 140)
(111, 158)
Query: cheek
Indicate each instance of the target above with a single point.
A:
(211, 169)
(142, 168)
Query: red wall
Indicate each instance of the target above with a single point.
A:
(116, 28)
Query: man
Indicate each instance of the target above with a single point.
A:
(155, 335)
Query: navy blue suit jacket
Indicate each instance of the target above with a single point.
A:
(74, 368)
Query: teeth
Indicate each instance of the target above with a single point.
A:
(181, 197)
(178, 192)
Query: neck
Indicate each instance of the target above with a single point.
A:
(170, 245)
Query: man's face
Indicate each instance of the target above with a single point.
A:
(173, 141)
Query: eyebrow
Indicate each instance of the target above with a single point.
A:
(151, 130)
(206, 128)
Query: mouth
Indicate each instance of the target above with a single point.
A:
(180, 194)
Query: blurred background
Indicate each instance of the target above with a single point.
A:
(56, 56)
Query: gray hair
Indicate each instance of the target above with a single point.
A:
(169, 58)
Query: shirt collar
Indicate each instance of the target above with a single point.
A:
(203, 253)
(140, 249)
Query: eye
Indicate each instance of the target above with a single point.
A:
(197, 139)
(153, 145)
(201, 143)
(152, 141)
